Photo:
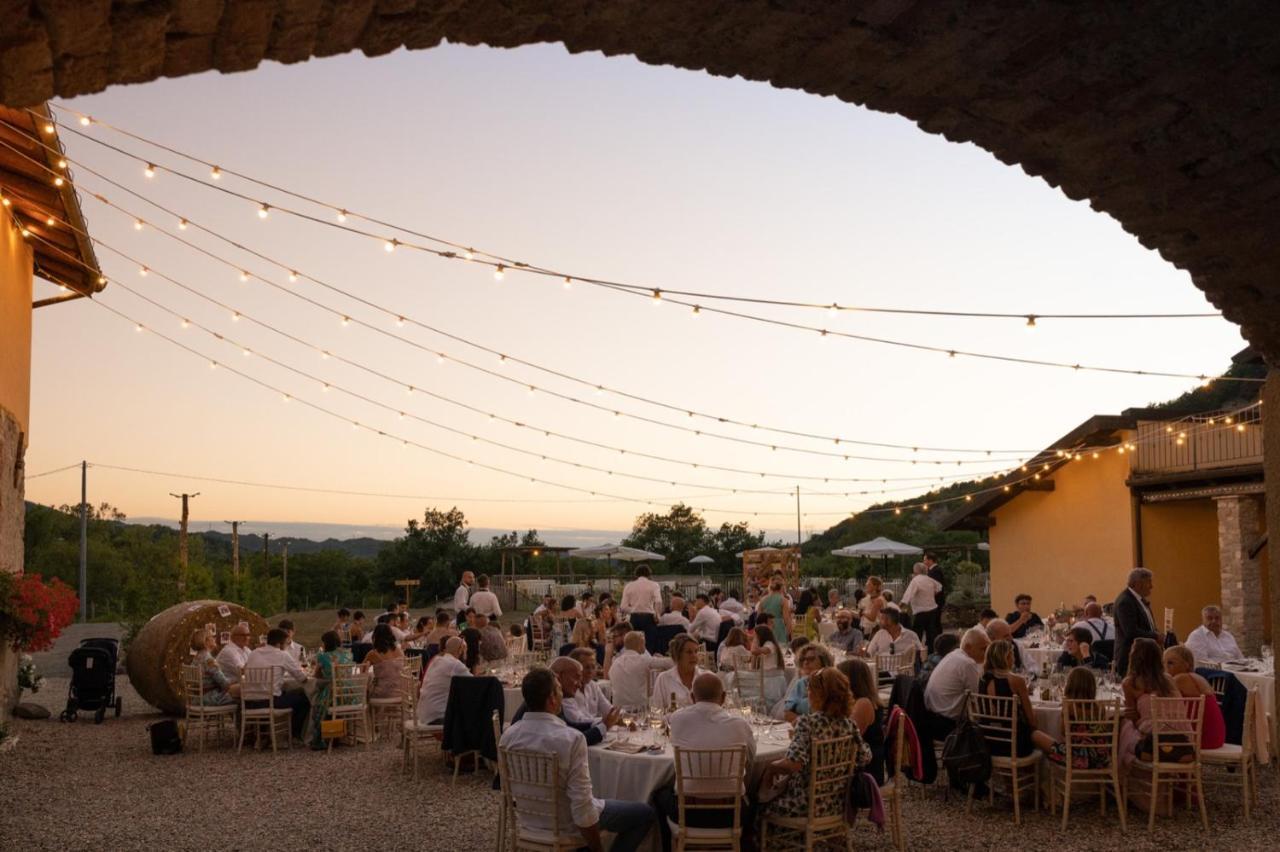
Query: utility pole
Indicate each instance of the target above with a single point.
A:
(284, 558)
(797, 516)
(235, 550)
(266, 556)
(182, 543)
(84, 542)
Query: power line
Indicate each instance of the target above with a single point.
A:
(343, 213)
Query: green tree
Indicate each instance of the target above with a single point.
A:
(731, 539)
(677, 535)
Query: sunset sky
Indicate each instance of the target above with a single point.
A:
(600, 167)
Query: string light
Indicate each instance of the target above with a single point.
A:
(293, 275)
(390, 245)
(48, 127)
(263, 211)
(182, 224)
(657, 297)
(137, 224)
(215, 173)
(143, 271)
(150, 170)
(85, 120)
(58, 181)
(49, 221)
(568, 283)
(244, 276)
(498, 272)
(62, 163)
(342, 215)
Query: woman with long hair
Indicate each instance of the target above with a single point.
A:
(473, 660)
(386, 661)
(1180, 664)
(584, 636)
(767, 655)
(998, 680)
(735, 651)
(867, 712)
(331, 654)
(1146, 679)
(1082, 685)
(870, 605)
(809, 613)
(776, 605)
(830, 705)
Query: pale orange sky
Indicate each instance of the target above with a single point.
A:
(604, 167)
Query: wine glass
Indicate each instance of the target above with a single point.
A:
(1268, 658)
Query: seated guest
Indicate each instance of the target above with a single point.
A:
(1099, 627)
(569, 611)
(868, 712)
(1082, 686)
(706, 724)
(1210, 642)
(386, 661)
(273, 655)
(629, 672)
(768, 656)
(999, 630)
(589, 701)
(705, 626)
(343, 625)
(956, 675)
(833, 603)
(433, 697)
(330, 655)
(548, 605)
(235, 654)
(474, 659)
(587, 604)
(1145, 679)
(584, 636)
(358, 627)
(569, 673)
(217, 689)
(444, 628)
(812, 657)
(1180, 664)
(417, 637)
(846, 637)
(675, 613)
(399, 624)
(943, 645)
(676, 682)
(292, 648)
(613, 644)
(892, 637)
(1023, 619)
(727, 604)
(541, 729)
(831, 702)
(797, 644)
(985, 617)
(1077, 652)
(735, 652)
(493, 645)
(998, 680)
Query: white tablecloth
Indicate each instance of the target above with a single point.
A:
(512, 699)
(1034, 659)
(635, 777)
(1265, 730)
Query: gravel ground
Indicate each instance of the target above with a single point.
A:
(84, 786)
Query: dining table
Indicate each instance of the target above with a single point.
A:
(1257, 675)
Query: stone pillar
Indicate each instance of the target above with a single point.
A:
(1238, 530)
(12, 518)
(1271, 473)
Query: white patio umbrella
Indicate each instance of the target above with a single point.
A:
(700, 561)
(616, 551)
(879, 546)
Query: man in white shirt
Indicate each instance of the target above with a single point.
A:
(641, 600)
(1210, 642)
(485, 602)
(706, 621)
(1094, 622)
(955, 675)
(892, 637)
(292, 648)
(706, 724)
(921, 596)
(234, 654)
(462, 595)
(577, 714)
(433, 697)
(629, 671)
(727, 604)
(675, 615)
(287, 674)
(542, 730)
(589, 701)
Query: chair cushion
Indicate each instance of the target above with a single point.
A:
(703, 833)
(413, 726)
(1227, 753)
(1029, 760)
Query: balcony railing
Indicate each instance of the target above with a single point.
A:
(1214, 441)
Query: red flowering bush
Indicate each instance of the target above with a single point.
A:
(33, 612)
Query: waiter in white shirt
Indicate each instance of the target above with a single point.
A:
(641, 600)
(462, 595)
(1210, 642)
(542, 730)
(485, 602)
(234, 654)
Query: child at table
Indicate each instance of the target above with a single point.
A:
(1082, 686)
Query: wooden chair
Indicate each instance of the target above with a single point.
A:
(349, 701)
(830, 764)
(413, 665)
(259, 684)
(413, 734)
(894, 782)
(201, 716)
(1168, 620)
(889, 666)
(709, 780)
(530, 787)
(1239, 761)
(385, 713)
(997, 718)
(749, 685)
(1175, 722)
(504, 818)
(1090, 729)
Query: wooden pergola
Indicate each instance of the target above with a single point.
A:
(537, 550)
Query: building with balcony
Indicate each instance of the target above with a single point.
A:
(1178, 491)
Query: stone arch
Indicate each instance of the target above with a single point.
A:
(1163, 115)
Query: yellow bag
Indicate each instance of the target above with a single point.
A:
(331, 729)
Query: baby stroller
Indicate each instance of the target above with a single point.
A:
(93, 679)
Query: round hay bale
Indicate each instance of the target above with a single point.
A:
(163, 646)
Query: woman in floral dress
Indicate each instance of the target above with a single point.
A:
(830, 702)
(333, 654)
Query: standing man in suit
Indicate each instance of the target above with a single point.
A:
(1133, 617)
(934, 570)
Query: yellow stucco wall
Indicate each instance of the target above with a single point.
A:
(1180, 545)
(15, 323)
(1061, 545)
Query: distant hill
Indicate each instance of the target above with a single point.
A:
(220, 542)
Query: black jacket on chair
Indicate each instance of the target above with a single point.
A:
(468, 717)
(1133, 621)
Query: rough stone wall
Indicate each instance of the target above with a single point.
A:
(12, 515)
(1163, 115)
(1239, 525)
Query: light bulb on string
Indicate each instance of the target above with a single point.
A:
(137, 224)
(150, 170)
(245, 352)
(657, 297)
(469, 254)
(498, 272)
(342, 215)
(85, 121)
(400, 322)
(48, 127)
(326, 387)
(182, 224)
(696, 311)
(244, 276)
(215, 173)
(1031, 320)
(186, 323)
(263, 211)
(4, 200)
(235, 316)
(293, 275)
(143, 271)
(58, 181)
(390, 245)
(213, 365)
(138, 328)
(568, 283)
(49, 221)
(346, 321)
(62, 164)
